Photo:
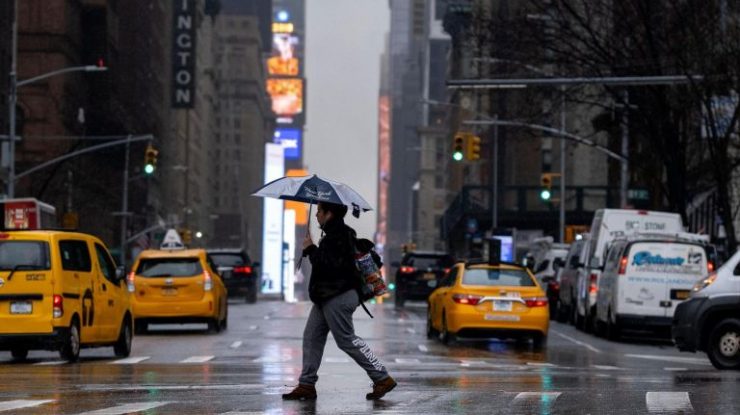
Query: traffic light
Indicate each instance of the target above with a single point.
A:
(150, 159)
(458, 147)
(546, 182)
(473, 147)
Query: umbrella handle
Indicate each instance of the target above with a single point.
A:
(308, 225)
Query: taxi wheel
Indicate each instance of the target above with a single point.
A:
(225, 321)
(141, 327)
(723, 348)
(214, 326)
(399, 300)
(19, 353)
(252, 295)
(431, 331)
(539, 340)
(445, 336)
(613, 330)
(70, 349)
(122, 348)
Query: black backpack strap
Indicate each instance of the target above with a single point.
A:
(366, 310)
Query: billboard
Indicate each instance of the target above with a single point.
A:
(300, 208)
(183, 54)
(272, 234)
(283, 60)
(287, 96)
(290, 139)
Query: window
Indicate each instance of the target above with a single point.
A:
(27, 255)
(169, 267)
(107, 266)
(75, 256)
(498, 277)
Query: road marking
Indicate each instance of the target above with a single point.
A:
(336, 360)
(578, 342)
(126, 408)
(267, 317)
(538, 364)
(197, 359)
(236, 344)
(675, 359)
(675, 369)
(271, 359)
(423, 348)
(130, 360)
(253, 327)
(135, 388)
(51, 363)
(607, 367)
(529, 399)
(410, 331)
(22, 403)
(407, 361)
(668, 402)
(468, 363)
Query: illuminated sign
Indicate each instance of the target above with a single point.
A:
(183, 54)
(290, 139)
(282, 27)
(300, 208)
(283, 60)
(283, 16)
(287, 95)
(272, 233)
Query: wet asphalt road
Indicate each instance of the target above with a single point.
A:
(184, 370)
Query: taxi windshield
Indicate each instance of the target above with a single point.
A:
(169, 267)
(498, 277)
(28, 255)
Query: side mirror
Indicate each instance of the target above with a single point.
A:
(594, 263)
(548, 279)
(557, 263)
(395, 264)
(120, 273)
(255, 264)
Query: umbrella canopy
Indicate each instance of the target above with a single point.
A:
(313, 189)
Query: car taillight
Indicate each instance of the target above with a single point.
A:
(447, 271)
(623, 265)
(130, 281)
(407, 270)
(57, 305)
(710, 266)
(207, 281)
(536, 302)
(592, 288)
(554, 286)
(467, 299)
(243, 270)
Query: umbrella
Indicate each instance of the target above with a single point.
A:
(313, 189)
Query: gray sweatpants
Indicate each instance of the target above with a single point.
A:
(336, 316)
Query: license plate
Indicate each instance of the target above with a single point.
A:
(680, 294)
(430, 276)
(504, 305)
(21, 307)
(169, 291)
(502, 317)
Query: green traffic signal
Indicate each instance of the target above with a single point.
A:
(457, 155)
(545, 194)
(391, 286)
(149, 168)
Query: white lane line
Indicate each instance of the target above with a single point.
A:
(538, 364)
(675, 369)
(336, 360)
(674, 359)
(197, 359)
(51, 363)
(22, 403)
(271, 359)
(411, 331)
(668, 402)
(236, 344)
(528, 399)
(578, 342)
(407, 361)
(606, 367)
(130, 360)
(253, 327)
(468, 363)
(126, 408)
(423, 348)
(267, 317)
(134, 388)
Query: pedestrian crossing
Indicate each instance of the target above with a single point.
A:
(655, 402)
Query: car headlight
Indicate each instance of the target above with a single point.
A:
(704, 283)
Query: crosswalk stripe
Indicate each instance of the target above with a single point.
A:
(197, 359)
(51, 363)
(468, 363)
(271, 359)
(126, 408)
(668, 402)
(410, 331)
(134, 388)
(236, 344)
(253, 327)
(674, 359)
(423, 348)
(22, 403)
(530, 399)
(606, 367)
(675, 369)
(539, 364)
(407, 361)
(336, 360)
(130, 360)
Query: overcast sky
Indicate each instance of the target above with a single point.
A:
(344, 42)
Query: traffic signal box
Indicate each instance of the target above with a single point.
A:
(458, 146)
(546, 184)
(465, 146)
(473, 147)
(150, 159)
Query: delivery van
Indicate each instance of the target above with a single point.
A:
(646, 276)
(607, 225)
(61, 291)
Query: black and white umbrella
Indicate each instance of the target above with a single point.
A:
(313, 189)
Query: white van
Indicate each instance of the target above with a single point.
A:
(646, 276)
(607, 225)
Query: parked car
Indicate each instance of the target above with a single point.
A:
(177, 286)
(61, 291)
(488, 300)
(645, 277)
(569, 274)
(709, 320)
(546, 273)
(238, 272)
(418, 274)
(607, 225)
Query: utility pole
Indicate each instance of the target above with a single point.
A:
(562, 165)
(8, 157)
(124, 204)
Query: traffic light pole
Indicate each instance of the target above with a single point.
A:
(562, 165)
(124, 205)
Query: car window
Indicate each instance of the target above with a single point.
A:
(169, 267)
(107, 266)
(424, 262)
(211, 264)
(498, 277)
(75, 255)
(33, 255)
(228, 260)
(542, 266)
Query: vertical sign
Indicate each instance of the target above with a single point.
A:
(183, 54)
(289, 260)
(272, 235)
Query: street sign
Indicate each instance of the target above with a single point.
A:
(172, 240)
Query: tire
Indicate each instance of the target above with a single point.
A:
(444, 335)
(251, 296)
(141, 327)
(431, 331)
(573, 311)
(723, 347)
(122, 347)
(19, 353)
(539, 341)
(613, 330)
(225, 322)
(399, 300)
(563, 313)
(70, 350)
(579, 320)
(214, 326)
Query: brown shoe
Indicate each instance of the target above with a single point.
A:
(301, 392)
(381, 388)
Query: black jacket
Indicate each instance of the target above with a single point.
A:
(334, 271)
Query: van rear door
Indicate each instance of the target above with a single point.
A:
(659, 275)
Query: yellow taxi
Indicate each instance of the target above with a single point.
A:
(488, 300)
(177, 286)
(61, 291)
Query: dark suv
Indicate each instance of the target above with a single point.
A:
(418, 274)
(238, 272)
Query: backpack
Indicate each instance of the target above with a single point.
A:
(368, 265)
